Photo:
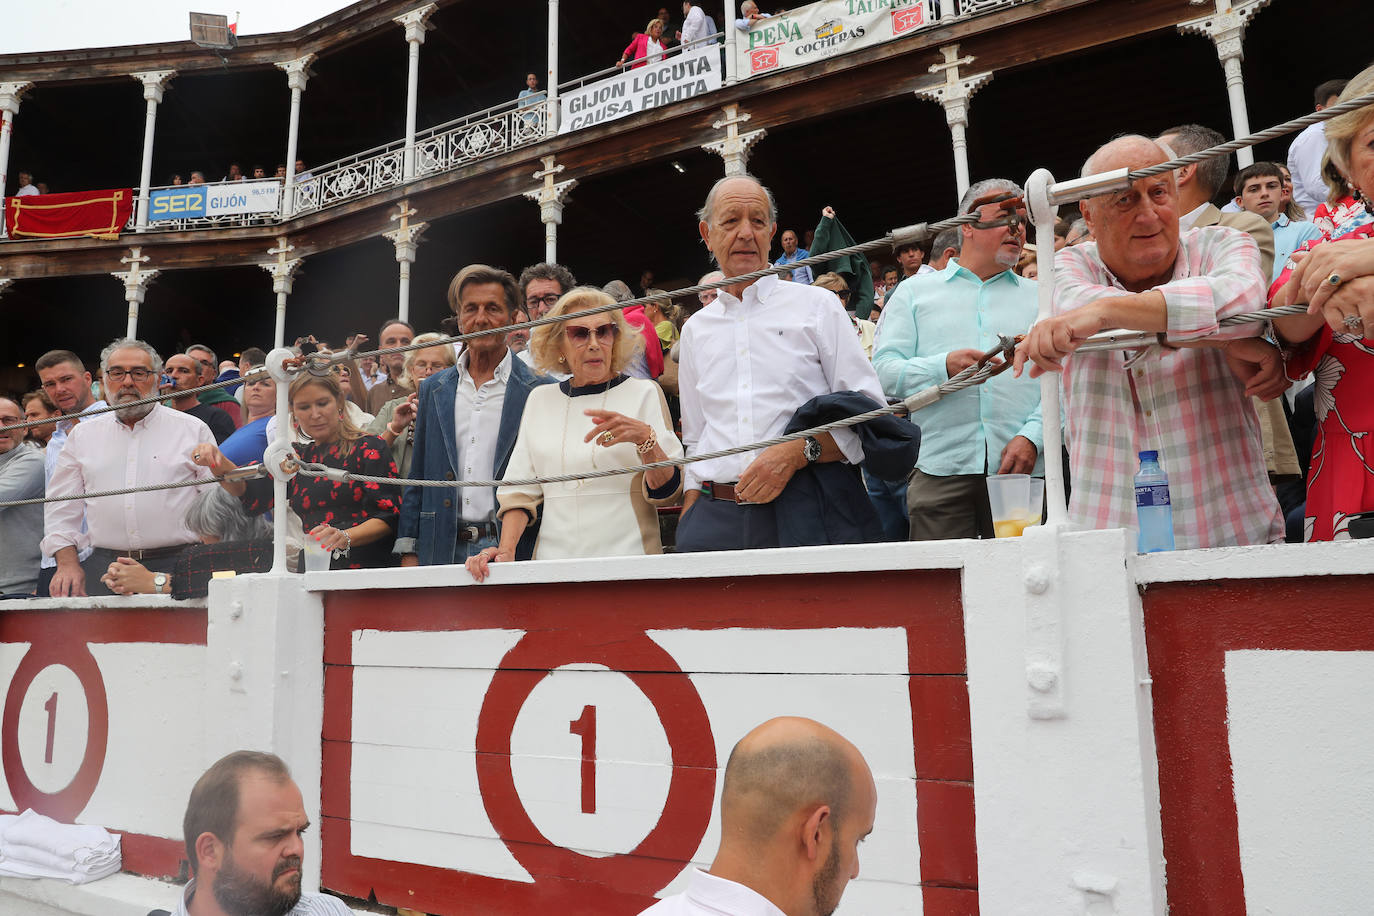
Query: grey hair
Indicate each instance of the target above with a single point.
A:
(129, 343)
(428, 337)
(708, 208)
(214, 357)
(985, 187)
(711, 277)
(618, 290)
(950, 238)
(1194, 138)
(748, 5)
(214, 513)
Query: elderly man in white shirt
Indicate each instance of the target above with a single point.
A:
(694, 27)
(132, 447)
(750, 359)
(797, 801)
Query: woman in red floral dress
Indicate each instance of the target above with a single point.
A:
(357, 521)
(1335, 339)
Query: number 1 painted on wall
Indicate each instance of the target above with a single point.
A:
(51, 707)
(584, 726)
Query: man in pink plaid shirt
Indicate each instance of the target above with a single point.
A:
(1189, 399)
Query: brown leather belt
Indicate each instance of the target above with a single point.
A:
(725, 491)
(150, 553)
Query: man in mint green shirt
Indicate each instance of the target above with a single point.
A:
(935, 325)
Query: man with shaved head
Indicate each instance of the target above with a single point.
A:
(798, 799)
(1187, 398)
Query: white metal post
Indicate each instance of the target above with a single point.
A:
(283, 270)
(549, 195)
(954, 95)
(10, 94)
(731, 38)
(297, 75)
(1043, 214)
(135, 280)
(1226, 28)
(551, 112)
(416, 23)
(406, 238)
(154, 84)
(277, 449)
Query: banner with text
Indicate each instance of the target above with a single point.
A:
(228, 198)
(679, 77)
(822, 30)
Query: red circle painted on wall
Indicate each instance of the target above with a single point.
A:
(658, 858)
(66, 803)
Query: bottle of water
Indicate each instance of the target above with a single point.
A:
(1152, 507)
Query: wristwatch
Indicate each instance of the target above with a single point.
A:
(159, 582)
(811, 450)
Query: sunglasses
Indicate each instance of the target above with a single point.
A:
(580, 334)
(843, 294)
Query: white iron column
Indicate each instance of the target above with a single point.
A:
(551, 77)
(135, 280)
(734, 149)
(1227, 30)
(731, 37)
(283, 270)
(954, 95)
(297, 75)
(154, 84)
(10, 94)
(406, 238)
(416, 23)
(549, 196)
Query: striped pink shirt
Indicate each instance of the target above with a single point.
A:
(1185, 403)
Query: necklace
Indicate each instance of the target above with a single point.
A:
(567, 414)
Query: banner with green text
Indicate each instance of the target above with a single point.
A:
(822, 30)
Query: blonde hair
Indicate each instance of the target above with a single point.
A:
(1341, 131)
(652, 22)
(547, 340)
(831, 281)
(426, 338)
(348, 432)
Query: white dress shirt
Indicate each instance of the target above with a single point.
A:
(1305, 165)
(694, 27)
(103, 453)
(747, 366)
(707, 895)
(50, 453)
(476, 424)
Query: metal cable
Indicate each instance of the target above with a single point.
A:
(147, 488)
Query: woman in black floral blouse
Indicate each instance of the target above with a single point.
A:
(355, 520)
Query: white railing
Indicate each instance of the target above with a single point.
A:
(443, 149)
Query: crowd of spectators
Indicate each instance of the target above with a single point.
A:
(747, 362)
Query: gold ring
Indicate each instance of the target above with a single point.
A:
(607, 437)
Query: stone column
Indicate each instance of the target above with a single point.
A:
(1226, 28)
(954, 96)
(297, 75)
(549, 196)
(154, 84)
(406, 238)
(283, 270)
(135, 280)
(416, 23)
(734, 149)
(10, 94)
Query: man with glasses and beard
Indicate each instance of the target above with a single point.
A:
(133, 446)
(797, 802)
(243, 829)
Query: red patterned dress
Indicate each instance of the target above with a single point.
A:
(341, 504)
(1340, 480)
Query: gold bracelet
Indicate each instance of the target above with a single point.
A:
(648, 445)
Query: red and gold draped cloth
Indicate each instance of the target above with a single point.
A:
(99, 214)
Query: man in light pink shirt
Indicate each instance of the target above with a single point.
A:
(797, 801)
(135, 446)
(1188, 399)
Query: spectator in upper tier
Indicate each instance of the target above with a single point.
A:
(197, 177)
(280, 173)
(259, 173)
(183, 372)
(235, 172)
(645, 48)
(26, 187)
(395, 422)
(1190, 404)
(748, 15)
(1307, 151)
(1259, 190)
(939, 324)
(21, 527)
(791, 254)
(38, 406)
(694, 28)
(247, 444)
(178, 180)
(598, 419)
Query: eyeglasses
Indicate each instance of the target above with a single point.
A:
(548, 300)
(580, 334)
(138, 373)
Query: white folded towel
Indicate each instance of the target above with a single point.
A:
(35, 846)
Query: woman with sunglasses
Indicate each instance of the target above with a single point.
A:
(598, 419)
(865, 329)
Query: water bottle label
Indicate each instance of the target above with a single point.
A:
(1154, 494)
